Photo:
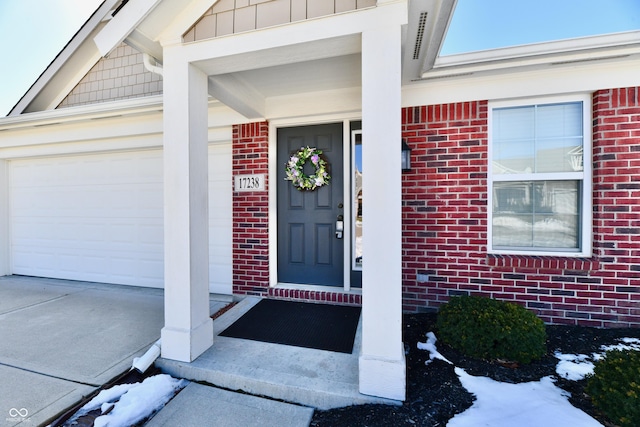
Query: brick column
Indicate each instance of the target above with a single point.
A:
(251, 211)
(616, 202)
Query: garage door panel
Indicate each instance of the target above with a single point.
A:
(92, 217)
(100, 218)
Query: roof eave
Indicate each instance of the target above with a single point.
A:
(593, 48)
(147, 25)
(425, 33)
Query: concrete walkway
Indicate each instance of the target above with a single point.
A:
(199, 405)
(308, 377)
(61, 340)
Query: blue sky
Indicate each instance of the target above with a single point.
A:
(487, 24)
(34, 31)
(32, 34)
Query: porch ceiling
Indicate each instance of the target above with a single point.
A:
(245, 81)
(317, 75)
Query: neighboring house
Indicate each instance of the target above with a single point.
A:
(152, 152)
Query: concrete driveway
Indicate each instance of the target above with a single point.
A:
(60, 340)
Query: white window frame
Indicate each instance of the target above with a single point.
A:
(354, 265)
(585, 176)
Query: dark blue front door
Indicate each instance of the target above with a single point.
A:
(309, 252)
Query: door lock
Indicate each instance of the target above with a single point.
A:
(339, 227)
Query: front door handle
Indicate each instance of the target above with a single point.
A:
(339, 227)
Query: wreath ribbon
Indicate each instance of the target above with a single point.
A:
(295, 166)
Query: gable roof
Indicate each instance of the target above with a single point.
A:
(147, 25)
(112, 22)
(67, 68)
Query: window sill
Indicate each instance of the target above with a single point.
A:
(545, 262)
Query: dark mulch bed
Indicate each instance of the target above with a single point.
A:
(434, 393)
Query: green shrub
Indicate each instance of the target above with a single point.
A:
(490, 329)
(614, 386)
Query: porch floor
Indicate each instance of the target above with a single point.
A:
(315, 378)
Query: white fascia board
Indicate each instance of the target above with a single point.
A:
(80, 66)
(82, 112)
(125, 21)
(572, 50)
(62, 58)
(181, 20)
(564, 78)
(300, 35)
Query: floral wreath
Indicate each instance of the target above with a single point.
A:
(295, 166)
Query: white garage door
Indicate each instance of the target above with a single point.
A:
(99, 218)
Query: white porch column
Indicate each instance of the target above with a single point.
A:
(382, 361)
(188, 329)
(4, 218)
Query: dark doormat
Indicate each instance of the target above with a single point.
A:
(319, 326)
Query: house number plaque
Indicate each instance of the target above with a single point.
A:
(245, 183)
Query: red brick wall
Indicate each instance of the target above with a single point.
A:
(616, 199)
(445, 220)
(251, 211)
(341, 298)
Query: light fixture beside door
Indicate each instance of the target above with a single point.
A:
(406, 156)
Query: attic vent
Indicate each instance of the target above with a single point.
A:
(421, 23)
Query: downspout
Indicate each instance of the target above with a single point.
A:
(141, 364)
(155, 69)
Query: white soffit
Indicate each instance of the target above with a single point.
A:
(426, 29)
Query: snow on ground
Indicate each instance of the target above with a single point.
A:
(497, 404)
(128, 404)
(531, 404)
(430, 346)
(575, 367)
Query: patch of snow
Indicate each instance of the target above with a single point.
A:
(626, 344)
(132, 403)
(430, 346)
(573, 367)
(531, 404)
(105, 396)
(576, 367)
